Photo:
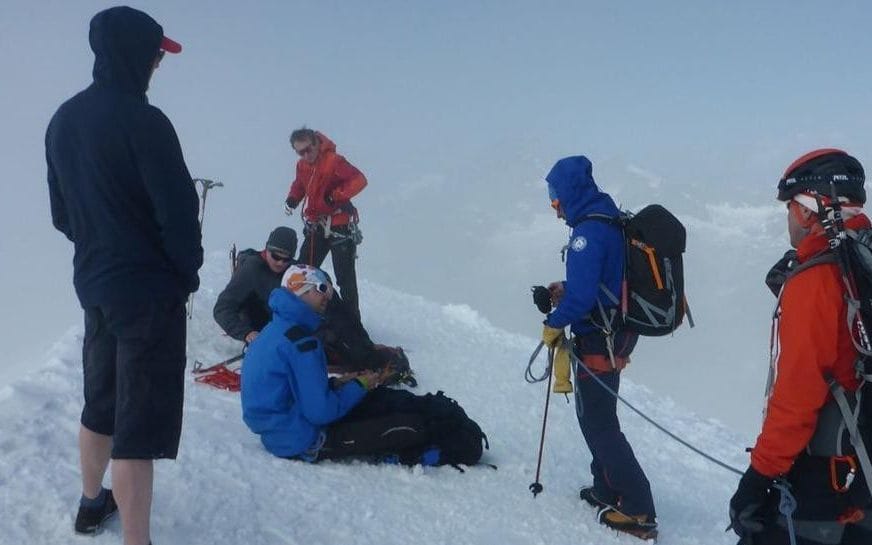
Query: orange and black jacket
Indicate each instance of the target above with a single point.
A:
(811, 342)
(328, 185)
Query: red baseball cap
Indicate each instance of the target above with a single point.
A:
(170, 46)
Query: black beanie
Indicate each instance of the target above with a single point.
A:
(817, 170)
(283, 239)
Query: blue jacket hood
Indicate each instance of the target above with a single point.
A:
(572, 181)
(125, 42)
(291, 308)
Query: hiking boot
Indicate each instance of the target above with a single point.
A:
(635, 525)
(588, 494)
(90, 521)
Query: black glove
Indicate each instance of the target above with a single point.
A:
(777, 275)
(749, 508)
(542, 298)
(290, 204)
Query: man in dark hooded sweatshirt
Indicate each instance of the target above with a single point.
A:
(120, 191)
(595, 257)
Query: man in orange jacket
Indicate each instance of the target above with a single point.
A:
(327, 182)
(803, 440)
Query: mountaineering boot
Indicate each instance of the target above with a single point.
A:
(635, 525)
(588, 494)
(89, 520)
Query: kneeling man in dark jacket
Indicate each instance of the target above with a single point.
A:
(242, 310)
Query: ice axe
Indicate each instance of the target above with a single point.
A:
(205, 185)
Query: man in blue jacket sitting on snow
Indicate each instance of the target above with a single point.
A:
(298, 411)
(595, 257)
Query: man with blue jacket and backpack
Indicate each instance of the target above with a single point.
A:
(595, 259)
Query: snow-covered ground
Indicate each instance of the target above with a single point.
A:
(226, 489)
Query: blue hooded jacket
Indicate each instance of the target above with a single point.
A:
(118, 184)
(286, 396)
(595, 254)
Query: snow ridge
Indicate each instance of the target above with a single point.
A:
(226, 489)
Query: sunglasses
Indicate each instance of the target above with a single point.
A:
(303, 151)
(552, 196)
(320, 286)
(280, 257)
(160, 55)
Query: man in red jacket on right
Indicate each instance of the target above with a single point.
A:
(803, 440)
(327, 181)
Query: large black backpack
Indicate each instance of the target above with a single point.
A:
(652, 302)
(858, 256)
(459, 437)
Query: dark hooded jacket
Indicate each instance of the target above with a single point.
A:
(243, 306)
(595, 253)
(119, 187)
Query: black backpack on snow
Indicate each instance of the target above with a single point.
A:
(458, 437)
(652, 302)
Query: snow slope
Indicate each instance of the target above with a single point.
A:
(226, 489)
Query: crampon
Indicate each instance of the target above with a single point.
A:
(220, 375)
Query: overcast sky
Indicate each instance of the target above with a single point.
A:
(453, 110)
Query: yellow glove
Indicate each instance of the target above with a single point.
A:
(562, 370)
(552, 336)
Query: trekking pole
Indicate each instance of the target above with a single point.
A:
(207, 185)
(536, 487)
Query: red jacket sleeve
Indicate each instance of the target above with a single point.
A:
(298, 187)
(812, 316)
(352, 181)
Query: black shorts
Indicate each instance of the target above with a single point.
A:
(134, 365)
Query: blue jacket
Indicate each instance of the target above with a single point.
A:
(595, 254)
(118, 184)
(286, 397)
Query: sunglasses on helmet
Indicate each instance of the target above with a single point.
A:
(320, 286)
